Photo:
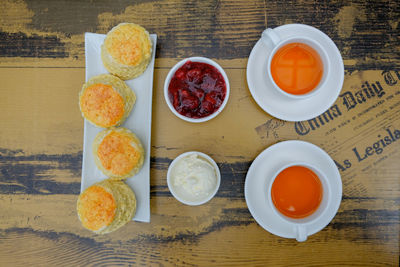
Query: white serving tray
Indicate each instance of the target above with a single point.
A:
(139, 121)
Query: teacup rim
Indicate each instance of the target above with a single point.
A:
(301, 221)
(324, 56)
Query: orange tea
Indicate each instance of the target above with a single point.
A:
(297, 68)
(297, 192)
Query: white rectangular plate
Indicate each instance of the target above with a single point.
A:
(139, 121)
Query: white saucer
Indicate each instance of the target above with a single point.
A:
(281, 106)
(267, 164)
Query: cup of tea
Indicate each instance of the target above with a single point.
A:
(299, 193)
(298, 67)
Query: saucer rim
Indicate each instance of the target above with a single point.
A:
(289, 30)
(271, 223)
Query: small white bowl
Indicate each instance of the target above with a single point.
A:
(171, 74)
(171, 187)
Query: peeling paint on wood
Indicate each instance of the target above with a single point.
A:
(42, 71)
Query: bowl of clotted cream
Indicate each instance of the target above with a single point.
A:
(193, 178)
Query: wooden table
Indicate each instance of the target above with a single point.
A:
(42, 68)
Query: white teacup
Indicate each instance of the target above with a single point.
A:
(302, 227)
(274, 42)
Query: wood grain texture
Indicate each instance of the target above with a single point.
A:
(41, 134)
(365, 32)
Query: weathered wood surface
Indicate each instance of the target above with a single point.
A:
(41, 133)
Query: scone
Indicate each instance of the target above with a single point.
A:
(106, 101)
(106, 206)
(126, 50)
(118, 153)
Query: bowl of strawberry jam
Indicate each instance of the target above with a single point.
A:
(196, 89)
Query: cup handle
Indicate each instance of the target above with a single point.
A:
(301, 234)
(270, 38)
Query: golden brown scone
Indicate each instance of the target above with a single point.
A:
(126, 51)
(118, 153)
(106, 206)
(106, 101)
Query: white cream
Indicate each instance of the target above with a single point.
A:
(193, 178)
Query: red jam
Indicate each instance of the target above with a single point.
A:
(197, 90)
